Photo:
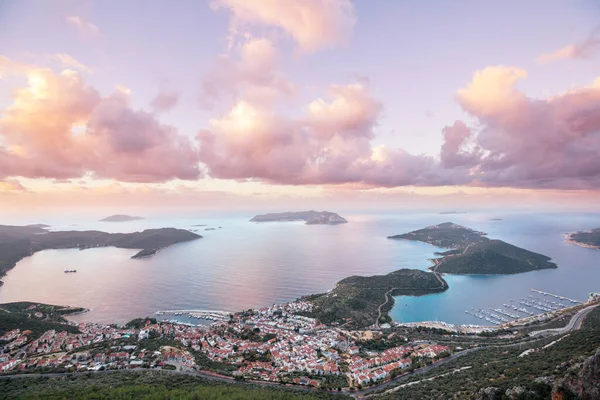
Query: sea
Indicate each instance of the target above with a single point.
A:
(238, 265)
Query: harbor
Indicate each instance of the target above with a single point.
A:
(210, 316)
(524, 308)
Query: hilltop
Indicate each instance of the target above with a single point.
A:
(471, 252)
(590, 239)
(36, 317)
(120, 218)
(310, 217)
(17, 242)
(357, 299)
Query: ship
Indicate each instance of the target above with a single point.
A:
(70, 270)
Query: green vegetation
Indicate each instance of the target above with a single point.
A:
(141, 385)
(22, 315)
(586, 238)
(356, 299)
(473, 253)
(17, 242)
(539, 373)
(140, 322)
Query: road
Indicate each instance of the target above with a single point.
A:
(573, 325)
(387, 299)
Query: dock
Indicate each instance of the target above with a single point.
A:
(557, 296)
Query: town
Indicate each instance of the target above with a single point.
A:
(275, 344)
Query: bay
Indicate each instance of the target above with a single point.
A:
(245, 265)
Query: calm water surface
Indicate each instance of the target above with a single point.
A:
(244, 265)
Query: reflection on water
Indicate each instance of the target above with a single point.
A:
(248, 265)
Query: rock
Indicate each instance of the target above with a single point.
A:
(489, 393)
(516, 393)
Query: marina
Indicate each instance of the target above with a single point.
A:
(209, 315)
(531, 306)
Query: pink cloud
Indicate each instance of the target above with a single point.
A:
(164, 101)
(329, 144)
(83, 26)
(42, 134)
(313, 24)
(582, 50)
(532, 143)
(250, 73)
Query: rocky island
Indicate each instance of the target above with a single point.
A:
(17, 242)
(589, 239)
(471, 252)
(361, 301)
(120, 218)
(310, 217)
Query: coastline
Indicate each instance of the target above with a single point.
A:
(570, 240)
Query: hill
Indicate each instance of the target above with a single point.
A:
(147, 385)
(310, 217)
(356, 300)
(473, 253)
(120, 218)
(17, 242)
(590, 239)
(36, 317)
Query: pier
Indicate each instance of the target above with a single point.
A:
(557, 296)
(199, 314)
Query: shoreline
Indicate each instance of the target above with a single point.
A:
(568, 239)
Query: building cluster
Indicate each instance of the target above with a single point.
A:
(277, 343)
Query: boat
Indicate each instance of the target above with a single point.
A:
(70, 270)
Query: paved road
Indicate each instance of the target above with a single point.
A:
(574, 324)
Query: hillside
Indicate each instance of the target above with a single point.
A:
(473, 253)
(148, 385)
(310, 217)
(36, 317)
(567, 367)
(17, 242)
(590, 239)
(356, 299)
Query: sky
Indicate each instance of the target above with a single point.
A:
(244, 104)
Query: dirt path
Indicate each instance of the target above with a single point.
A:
(387, 299)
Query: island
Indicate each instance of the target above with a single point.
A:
(471, 252)
(360, 301)
(310, 217)
(589, 239)
(17, 242)
(120, 218)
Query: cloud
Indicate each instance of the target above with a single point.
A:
(525, 142)
(576, 51)
(249, 73)
(11, 185)
(453, 153)
(313, 24)
(164, 101)
(70, 62)
(329, 144)
(83, 26)
(60, 127)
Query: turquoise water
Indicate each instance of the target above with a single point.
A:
(244, 265)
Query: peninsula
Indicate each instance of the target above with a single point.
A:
(120, 218)
(310, 217)
(361, 301)
(589, 239)
(471, 252)
(17, 242)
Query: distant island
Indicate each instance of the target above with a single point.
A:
(495, 219)
(589, 239)
(120, 218)
(452, 212)
(361, 301)
(471, 252)
(310, 217)
(17, 242)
